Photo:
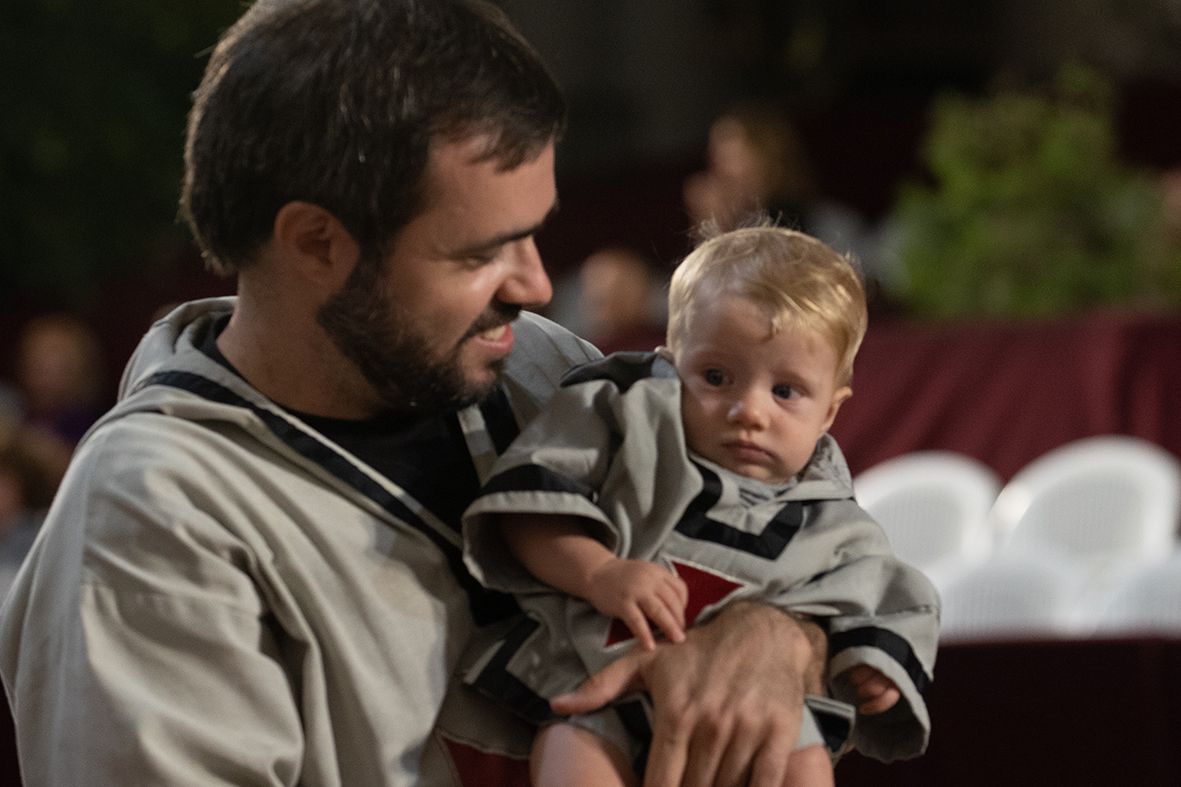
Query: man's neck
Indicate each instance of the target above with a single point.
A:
(289, 359)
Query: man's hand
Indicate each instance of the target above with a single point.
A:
(727, 701)
(875, 692)
(636, 592)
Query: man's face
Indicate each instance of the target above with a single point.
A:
(429, 327)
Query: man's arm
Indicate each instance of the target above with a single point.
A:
(728, 701)
(134, 650)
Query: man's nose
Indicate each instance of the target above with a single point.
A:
(527, 283)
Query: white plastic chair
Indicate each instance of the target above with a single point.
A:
(1147, 602)
(1014, 595)
(1109, 503)
(933, 506)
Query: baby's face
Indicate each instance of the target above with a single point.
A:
(752, 401)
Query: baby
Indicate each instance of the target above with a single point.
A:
(655, 488)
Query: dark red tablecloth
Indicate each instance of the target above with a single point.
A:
(1007, 392)
(1077, 713)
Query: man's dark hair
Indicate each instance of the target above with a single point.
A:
(336, 102)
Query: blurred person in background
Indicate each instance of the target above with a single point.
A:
(60, 375)
(757, 162)
(26, 489)
(754, 162)
(620, 300)
(59, 384)
(56, 394)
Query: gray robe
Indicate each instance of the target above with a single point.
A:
(220, 595)
(610, 448)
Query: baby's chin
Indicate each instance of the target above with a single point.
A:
(755, 472)
(768, 478)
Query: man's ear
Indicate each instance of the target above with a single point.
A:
(315, 244)
(839, 397)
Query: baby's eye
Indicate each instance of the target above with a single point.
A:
(714, 376)
(783, 392)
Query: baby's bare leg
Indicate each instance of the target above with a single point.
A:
(809, 767)
(566, 755)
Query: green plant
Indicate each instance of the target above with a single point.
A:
(1031, 212)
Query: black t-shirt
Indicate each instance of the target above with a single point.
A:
(426, 455)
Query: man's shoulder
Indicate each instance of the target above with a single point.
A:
(173, 342)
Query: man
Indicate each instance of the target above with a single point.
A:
(252, 573)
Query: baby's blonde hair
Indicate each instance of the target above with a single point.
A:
(800, 282)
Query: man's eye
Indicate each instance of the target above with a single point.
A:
(714, 376)
(483, 256)
(783, 391)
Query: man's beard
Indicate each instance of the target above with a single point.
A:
(394, 355)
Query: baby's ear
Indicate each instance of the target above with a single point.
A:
(839, 397)
(665, 353)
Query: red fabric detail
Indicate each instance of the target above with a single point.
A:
(477, 768)
(618, 632)
(705, 588)
(1007, 392)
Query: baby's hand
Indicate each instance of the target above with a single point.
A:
(875, 692)
(636, 591)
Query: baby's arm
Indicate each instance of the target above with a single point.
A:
(557, 550)
(875, 692)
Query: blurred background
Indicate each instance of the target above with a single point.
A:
(1007, 173)
(885, 111)
(95, 94)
